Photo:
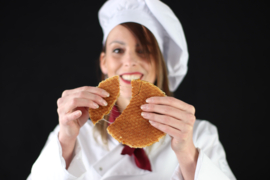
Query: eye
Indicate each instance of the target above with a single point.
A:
(140, 51)
(117, 50)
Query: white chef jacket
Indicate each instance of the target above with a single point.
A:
(92, 161)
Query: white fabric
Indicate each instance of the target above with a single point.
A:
(93, 162)
(161, 21)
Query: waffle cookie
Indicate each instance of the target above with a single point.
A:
(130, 127)
(111, 85)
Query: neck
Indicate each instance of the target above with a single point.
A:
(122, 103)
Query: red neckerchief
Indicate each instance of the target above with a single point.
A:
(139, 154)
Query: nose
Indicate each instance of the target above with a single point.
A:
(130, 60)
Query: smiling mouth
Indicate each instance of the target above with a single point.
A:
(128, 77)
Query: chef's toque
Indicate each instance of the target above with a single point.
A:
(161, 21)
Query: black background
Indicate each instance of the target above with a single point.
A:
(54, 45)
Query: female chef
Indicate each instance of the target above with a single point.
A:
(142, 39)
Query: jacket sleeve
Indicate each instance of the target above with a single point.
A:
(211, 163)
(51, 165)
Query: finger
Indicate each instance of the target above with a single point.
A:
(167, 129)
(90, 96)
(71, 116)
(170, 111)
(90, 89)
(79, 102)
(171, 101)
(167, 120)
(82, 95)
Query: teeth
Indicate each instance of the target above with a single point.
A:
(130, 77)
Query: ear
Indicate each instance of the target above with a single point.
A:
(102, 63)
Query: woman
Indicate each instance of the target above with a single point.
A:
(141, 38)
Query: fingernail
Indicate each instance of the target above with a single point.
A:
(148, 100)
(144, 114)
(79, 113)
(96, 106)
(151, 122)
(107, 94)
(144, 107)
(105, 103)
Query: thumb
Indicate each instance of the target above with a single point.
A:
(73, 116)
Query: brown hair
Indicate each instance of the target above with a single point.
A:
(151, 49)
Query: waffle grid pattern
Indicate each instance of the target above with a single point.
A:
(130, 127)
(112, 86)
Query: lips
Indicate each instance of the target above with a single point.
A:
(127, 77)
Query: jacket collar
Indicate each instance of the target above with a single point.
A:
(115, 164)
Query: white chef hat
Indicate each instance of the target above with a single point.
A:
(161, 21)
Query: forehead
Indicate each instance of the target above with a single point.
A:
(121, 33)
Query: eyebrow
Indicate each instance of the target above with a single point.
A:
(119, 42)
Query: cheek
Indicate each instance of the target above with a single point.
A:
(112, 66)
(150, 68)
(153, 74)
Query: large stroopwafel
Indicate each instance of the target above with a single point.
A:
(130, 127)
(111, 85)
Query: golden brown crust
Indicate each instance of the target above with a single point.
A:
(130, 127)
(111, 85)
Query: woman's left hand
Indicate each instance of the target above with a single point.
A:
(174, 117)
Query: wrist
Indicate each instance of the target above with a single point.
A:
(67, 135)
(188, 162)
(188, 156)
(68, 145)
(66, 140)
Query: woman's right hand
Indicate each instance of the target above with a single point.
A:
(73, 109)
